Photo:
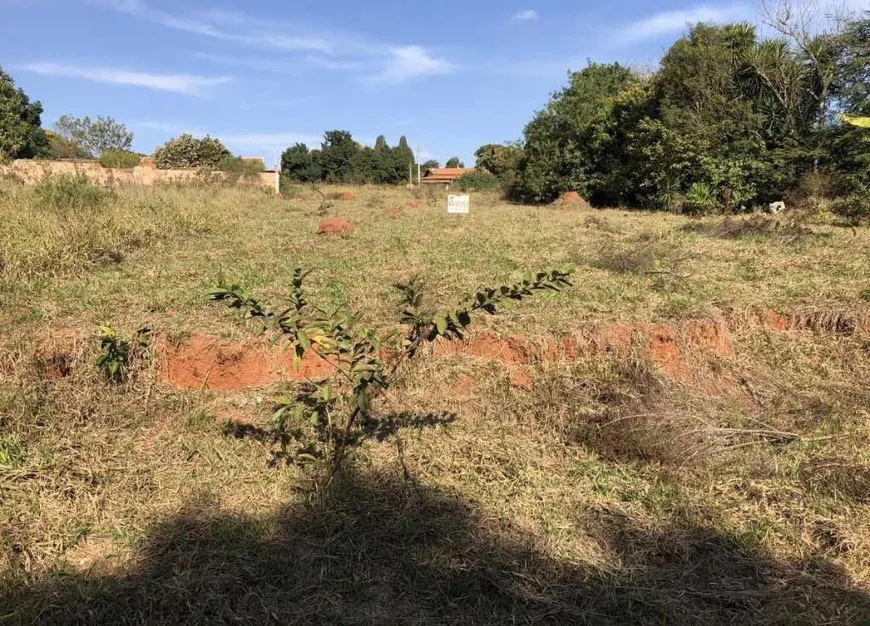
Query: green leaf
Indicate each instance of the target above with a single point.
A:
(441, 324)
(363, 401)
(303, 338)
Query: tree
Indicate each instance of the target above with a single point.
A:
(59, 147)
(454, 162)
(301, 165)
(21, 133)
(431, 164)
(95, 136)
(336, 156)
(501, 160)
(187, 151)
(563, 143)
(404, 159)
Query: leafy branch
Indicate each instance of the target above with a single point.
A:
(322, 419)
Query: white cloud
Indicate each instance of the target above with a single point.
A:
(373, 61)
(529, 15)
(208, 25)
(409, 62)
(187, 84)
(669, 22)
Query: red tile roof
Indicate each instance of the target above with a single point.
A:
(445, 174)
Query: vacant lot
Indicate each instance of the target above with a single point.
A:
(679, 437)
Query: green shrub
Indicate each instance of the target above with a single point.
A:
(855, 208)
(117, 352)
(70, 194)
(121, 159)
(479, 181)
(237, 167)
(700, 199)
(187, 151)
(324, 420)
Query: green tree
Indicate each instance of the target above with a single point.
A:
(59, 147)
(21, 133)
(404, 160)
(337, 156)
(501, 160)
(454, 162)
(95, 136)
(187, 151)
(565, 140)
(431, 164)
(301, 165)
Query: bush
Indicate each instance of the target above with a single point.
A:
(187, 151)
(479, 181)
(121, 159)
(70, 194)
(700, 199)
(855, 208)
(237, 167)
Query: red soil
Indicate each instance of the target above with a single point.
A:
(774, 320)
(347, 196)
(210, 363)
(463, 386)
(393, 211)
(335, 226)
(415, 204)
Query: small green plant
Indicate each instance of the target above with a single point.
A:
(324, 420)
(117, 352)
(701, 198)
(13, 452)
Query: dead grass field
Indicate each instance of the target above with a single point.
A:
(681, 437)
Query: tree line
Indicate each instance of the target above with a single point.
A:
(341, 159)
(729, 119)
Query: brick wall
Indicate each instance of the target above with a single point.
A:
(31, 171)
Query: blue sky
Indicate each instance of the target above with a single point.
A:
(261, 76)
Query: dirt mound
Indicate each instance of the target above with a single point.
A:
(663, 345)
(205, 362)
(335, 227)
(572, 199)
(394, 211)
(677, 350)
(347, 196)
(415, 204)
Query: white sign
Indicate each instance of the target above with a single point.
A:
(458, 203)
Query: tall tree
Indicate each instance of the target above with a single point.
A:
(564, 141)
(454, 162)
(95, 136)
(21, 133)
(301, 165)
(337, 155)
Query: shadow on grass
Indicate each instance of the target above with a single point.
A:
(380, 550)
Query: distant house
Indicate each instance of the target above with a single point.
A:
(444, 175)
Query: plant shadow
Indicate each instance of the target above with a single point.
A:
(381, 550)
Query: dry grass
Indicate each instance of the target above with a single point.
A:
(613, 491)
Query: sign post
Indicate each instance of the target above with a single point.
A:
(458, 203)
